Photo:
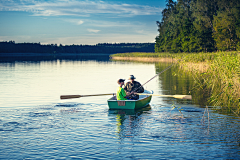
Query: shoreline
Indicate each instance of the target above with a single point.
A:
(144, 59)
(188, 66)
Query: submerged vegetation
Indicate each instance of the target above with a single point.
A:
(217, 73)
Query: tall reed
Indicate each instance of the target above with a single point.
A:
(221, 77)
(220, 74)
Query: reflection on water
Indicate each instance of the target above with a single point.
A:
(132, 121)
(36, 124)
(38, 57)
(175, 81)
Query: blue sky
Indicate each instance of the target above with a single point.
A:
(79, 21)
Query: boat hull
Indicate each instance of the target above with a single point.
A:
(129, 104)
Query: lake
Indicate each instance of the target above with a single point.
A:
(36, 124)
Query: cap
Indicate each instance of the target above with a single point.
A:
(132, 77)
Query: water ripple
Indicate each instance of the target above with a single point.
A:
(39, 114)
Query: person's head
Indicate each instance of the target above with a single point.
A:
(132, 78)
(121, 81)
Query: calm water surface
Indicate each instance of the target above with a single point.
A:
(36, 124)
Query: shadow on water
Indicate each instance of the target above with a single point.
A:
(175, 81)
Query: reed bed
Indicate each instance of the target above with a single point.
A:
(219, 72)
(148, 55)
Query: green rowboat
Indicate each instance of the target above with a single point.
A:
(143, 101)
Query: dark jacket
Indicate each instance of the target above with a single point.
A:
(135, 87)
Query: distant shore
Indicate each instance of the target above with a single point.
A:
(189, 66)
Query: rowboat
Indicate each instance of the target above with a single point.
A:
(143, 101)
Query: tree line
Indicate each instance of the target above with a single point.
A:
(199, 26)
(12, 47)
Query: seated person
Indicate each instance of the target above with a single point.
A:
(133, 86)
(121, 94)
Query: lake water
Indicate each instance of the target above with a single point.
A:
(36, 124)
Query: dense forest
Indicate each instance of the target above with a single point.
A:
(199, 26)
(12, 47)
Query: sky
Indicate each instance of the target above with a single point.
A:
(80, 21)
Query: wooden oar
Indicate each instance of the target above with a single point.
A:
(78, 96)
(174, 96)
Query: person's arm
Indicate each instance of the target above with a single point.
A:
(128, 94)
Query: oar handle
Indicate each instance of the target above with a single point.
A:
(78, 96)
(97, 95)
(69, 96)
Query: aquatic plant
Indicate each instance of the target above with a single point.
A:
(178, 108)
(222, 79)
(217, 73)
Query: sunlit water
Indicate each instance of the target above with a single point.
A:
(36, 124)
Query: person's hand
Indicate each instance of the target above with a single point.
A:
(128, 93)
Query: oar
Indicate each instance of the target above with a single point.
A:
(78, 96)
(174, 96)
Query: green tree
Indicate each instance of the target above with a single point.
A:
(199, 26)
(224, 31)
(203, 11)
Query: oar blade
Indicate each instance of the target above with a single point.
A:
(183, 97)
(174, 96)
(69, 96)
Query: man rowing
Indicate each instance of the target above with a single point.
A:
(133, 86)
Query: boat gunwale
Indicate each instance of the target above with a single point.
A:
(151, 92)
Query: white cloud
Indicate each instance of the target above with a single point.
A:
(101, 23)
(105, 24)
(107, 27)
(78, 8)
(80, 22)
(74, 21)
(93, 30)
